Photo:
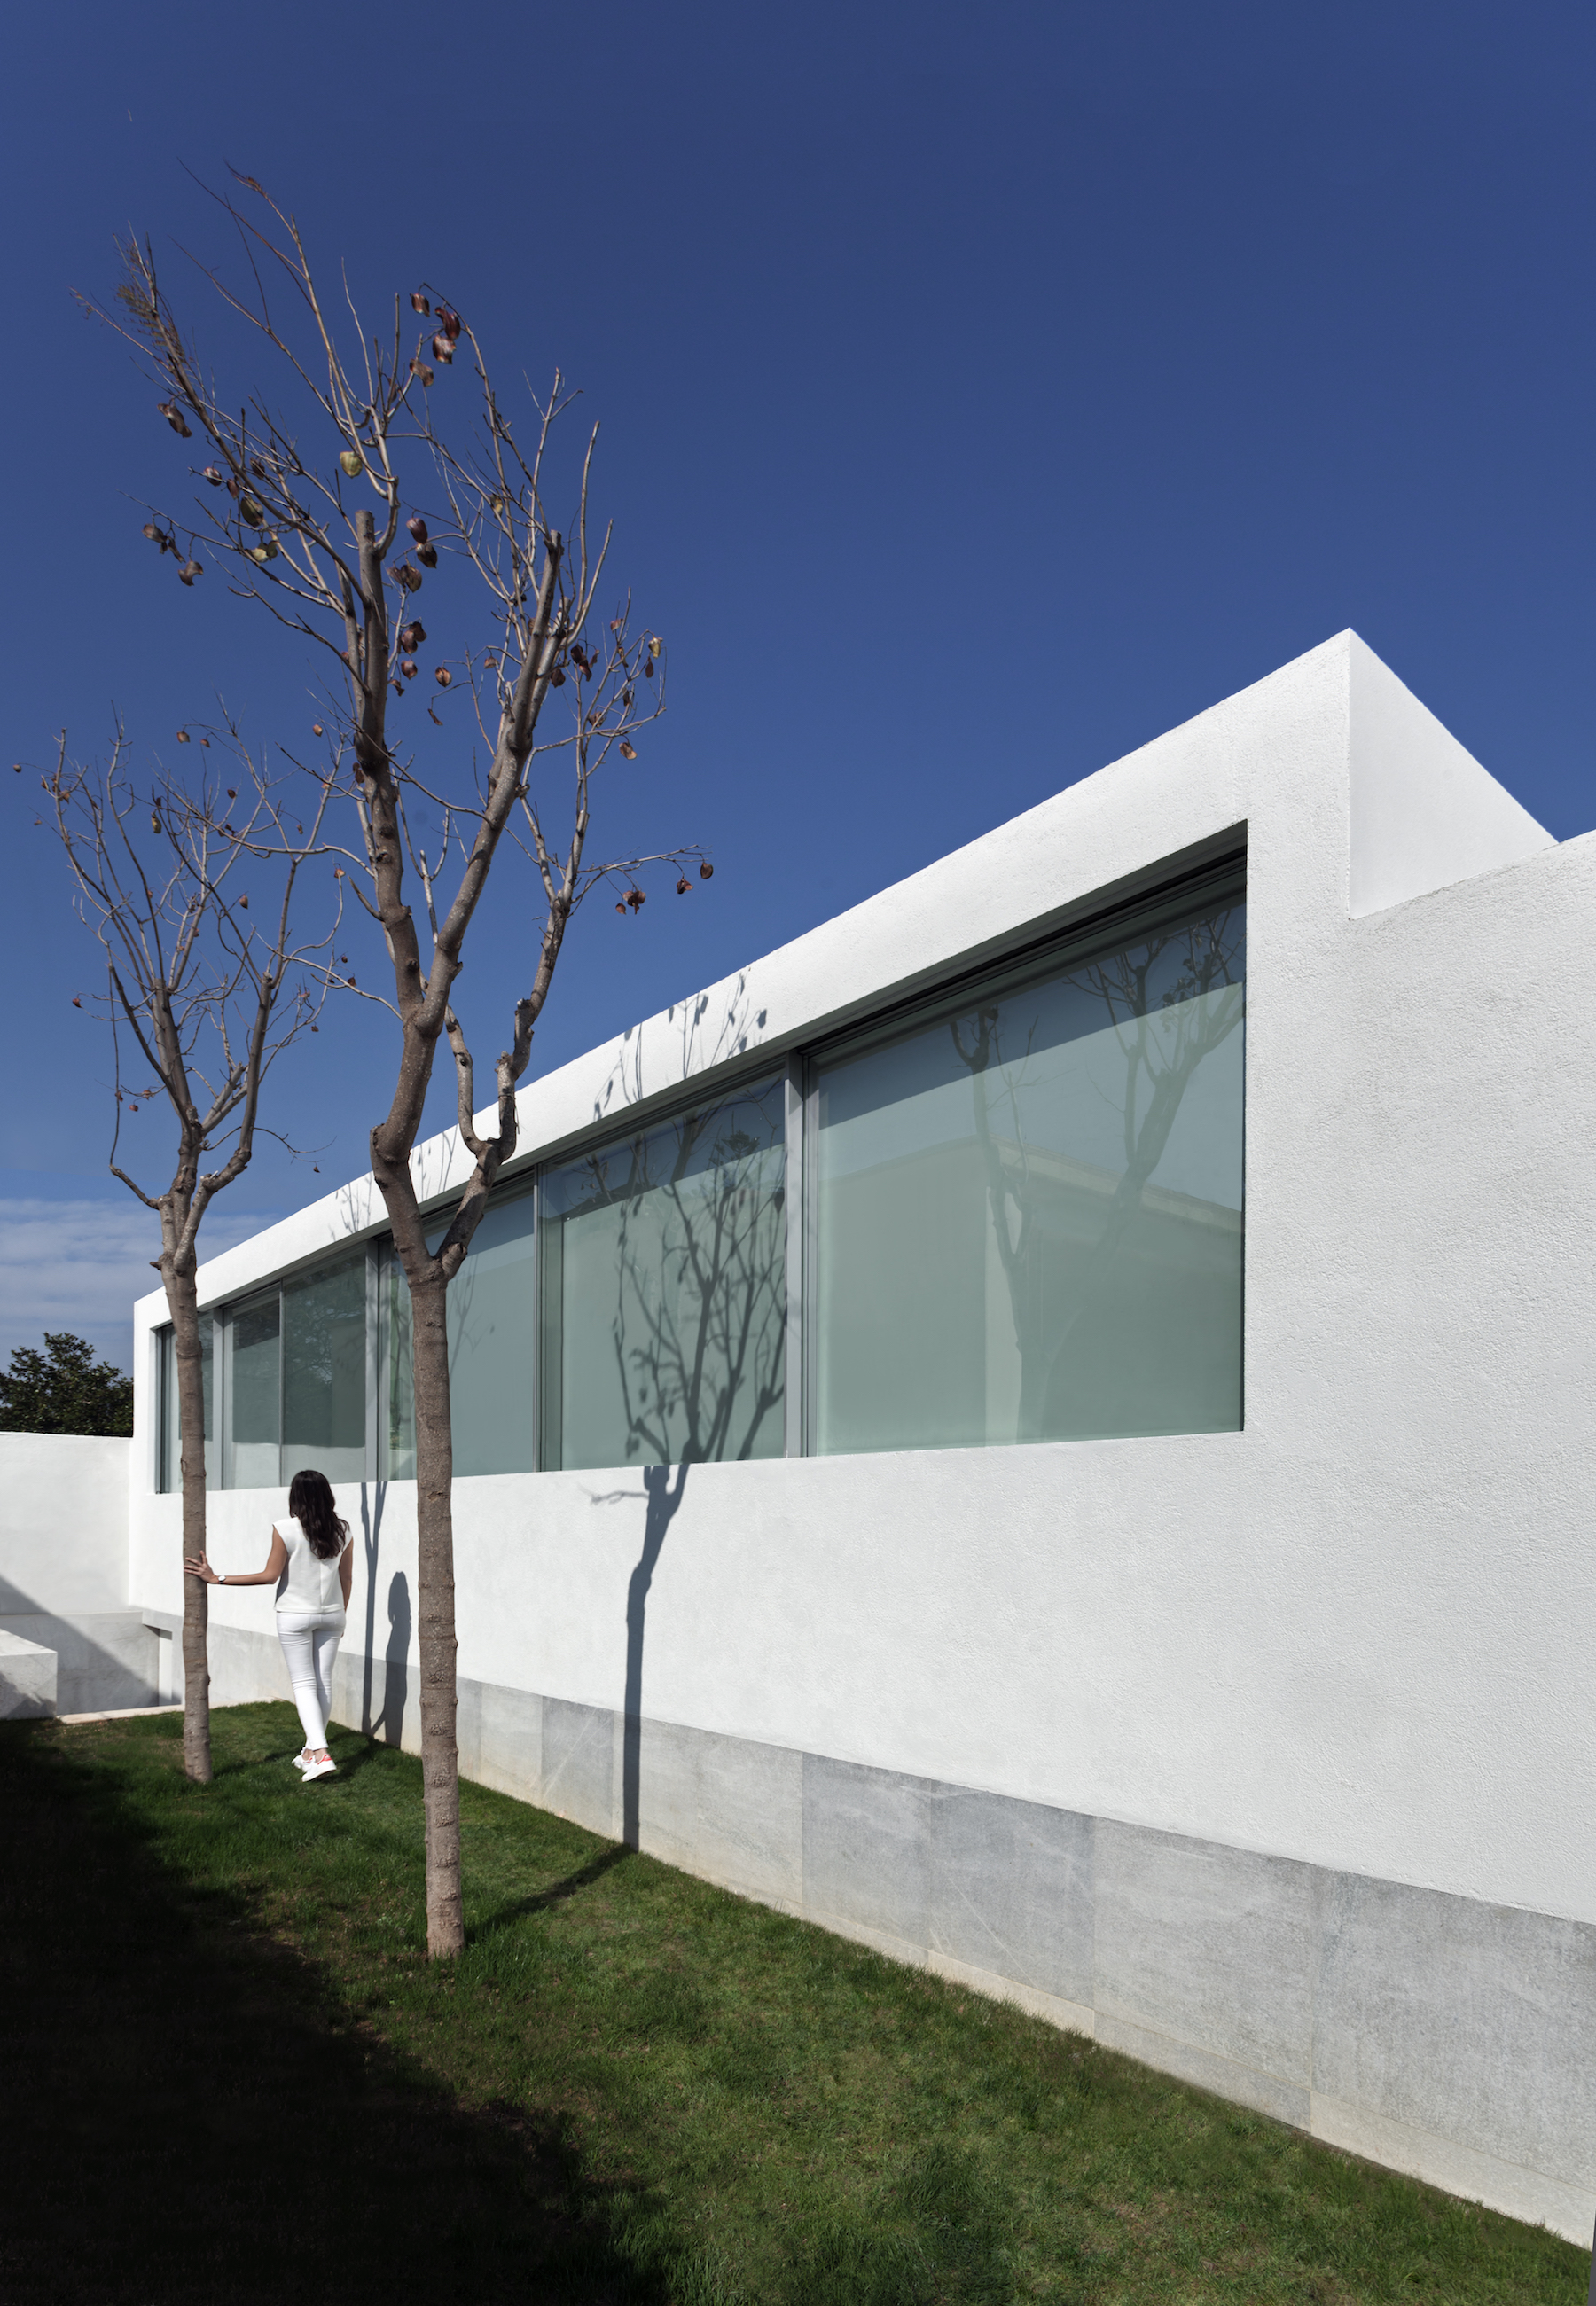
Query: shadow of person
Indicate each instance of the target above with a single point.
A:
(390, 1724)
(662, 1502)
(193, 2117)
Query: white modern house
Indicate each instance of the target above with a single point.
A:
(1047, 1426)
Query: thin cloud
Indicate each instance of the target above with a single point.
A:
(79, 1266)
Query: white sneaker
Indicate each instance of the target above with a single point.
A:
(301, 1761)
(320, 1769)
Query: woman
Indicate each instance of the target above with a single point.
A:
(312, 1566)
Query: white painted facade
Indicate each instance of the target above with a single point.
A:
(1350, 1639)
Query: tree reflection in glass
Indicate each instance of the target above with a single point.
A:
(664, 1259)
(324, 1372)
(491, 1324)
(1030, 1210)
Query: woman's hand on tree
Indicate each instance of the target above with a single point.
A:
(201, 1567)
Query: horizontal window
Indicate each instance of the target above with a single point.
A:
(1021, 1220)
(664, 1291)
(1028, 1207)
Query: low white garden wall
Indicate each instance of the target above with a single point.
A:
(63, 1571)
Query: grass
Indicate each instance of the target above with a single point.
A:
(233, 2076)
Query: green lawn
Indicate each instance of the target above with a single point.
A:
(233, 2076)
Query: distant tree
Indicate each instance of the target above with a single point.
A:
(65, 1390)
(314, 503)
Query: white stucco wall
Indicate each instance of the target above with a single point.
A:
(1354, 1632)
(1423, 813)
(64, 1524)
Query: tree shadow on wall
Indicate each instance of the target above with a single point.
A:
(389, 1723)
(700, 1314)
(663, 1498)
(698, 1326)
(373, 1497)
(191, 2116)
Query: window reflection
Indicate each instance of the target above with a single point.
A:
(491, 1325)
(664, 1291)
(324, 1372)
(169, 1423)
(1027, 1224)
(255, 1373)
(1028, 1209)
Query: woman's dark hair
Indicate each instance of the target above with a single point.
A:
(310, 1501)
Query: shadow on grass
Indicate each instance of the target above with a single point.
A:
(188, 2115)
(351, 1751)
(556, 1894)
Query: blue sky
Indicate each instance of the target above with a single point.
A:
(982, 392)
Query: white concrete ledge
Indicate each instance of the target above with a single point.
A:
(115, 1713)
(27, 1679)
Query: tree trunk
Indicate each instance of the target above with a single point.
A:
(182, 1302)
(435, 1565)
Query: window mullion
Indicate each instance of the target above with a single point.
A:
(794, 1205)
(373, 1354)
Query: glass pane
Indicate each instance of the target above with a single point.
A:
(396, 1454)
(490, 1323)
(665, 1301)
(1028, 1212)
(208, 1380)
(169, 1444)
(491, 1316)
(254, 1456)
(324, 1372)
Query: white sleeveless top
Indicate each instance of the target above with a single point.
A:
(309, 1587)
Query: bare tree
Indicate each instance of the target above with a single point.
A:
(308, 510)
(199, 986)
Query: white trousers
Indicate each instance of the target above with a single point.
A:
(310, 1645)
